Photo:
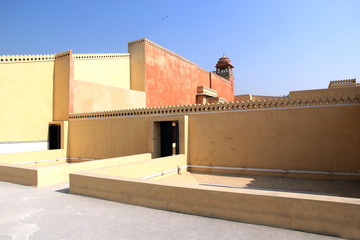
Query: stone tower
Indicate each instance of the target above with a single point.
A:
(224, 68)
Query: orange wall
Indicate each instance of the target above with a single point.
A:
(224, 88)
(172, 80)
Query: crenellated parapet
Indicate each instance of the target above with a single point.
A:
(100, 55)
(63, 54)
(223, 107)
(161, 48)
(343, 83)
(26, 58)
(52, 57)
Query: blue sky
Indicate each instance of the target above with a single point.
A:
(276, 46)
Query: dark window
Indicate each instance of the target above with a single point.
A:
(54, 137)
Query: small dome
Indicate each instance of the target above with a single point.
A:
(223, 62)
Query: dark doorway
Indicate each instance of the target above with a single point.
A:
(54, 137)
(169, 135)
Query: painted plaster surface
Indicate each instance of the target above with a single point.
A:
(107, 71)
(344, 91)
(316, 138)
(93, 97)
(172, 79)
(107, 138)
(26, 86)
(168, 78)
(224, 88)
(63, 77)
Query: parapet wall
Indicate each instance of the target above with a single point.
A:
(318, 141)
(168, 78)
(316, 137)
(343, 83)
(26, 58)
(338, 91)
(231, 106)
(110, 69)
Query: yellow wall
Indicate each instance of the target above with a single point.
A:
(344, 92)
(93, 97)
(310, 138)
(26, 100)
(108, 71)
(62, 74)
(137, 65)
(319, 138)
(107, 138)
(114, 137)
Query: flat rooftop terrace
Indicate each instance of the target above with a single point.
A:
(339, 188)
(51, 213)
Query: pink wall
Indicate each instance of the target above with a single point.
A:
(172, 80)
(224, 88)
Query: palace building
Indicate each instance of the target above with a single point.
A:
(151, 128)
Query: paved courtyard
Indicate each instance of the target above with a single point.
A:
(51, 213)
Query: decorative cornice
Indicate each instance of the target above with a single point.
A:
(63, 54)
(99, 55)
(224, 107)
(26, 58)
(343, 83)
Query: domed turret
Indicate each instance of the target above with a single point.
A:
(224, 62)
(224, 67)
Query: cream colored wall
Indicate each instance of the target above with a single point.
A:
(309, 138)
(107, 71)
(93, 97)
(38, 156)
(322, 214)
(147, 167)
(344, 92)
(45, 174)
(137, 65)
(24, 157)
(26, 100)
(58, 174)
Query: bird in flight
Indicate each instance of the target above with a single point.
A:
(164, 18)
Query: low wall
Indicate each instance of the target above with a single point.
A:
(321, 214)
(47, 175)
(57, 174)
(21, 175)
(148, 168)
(341, 91)
(25, 157)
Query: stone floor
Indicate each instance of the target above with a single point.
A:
(51, 213)
(297, 185)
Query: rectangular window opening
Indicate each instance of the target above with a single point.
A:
(54, 136)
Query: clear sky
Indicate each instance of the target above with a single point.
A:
(275, 45)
